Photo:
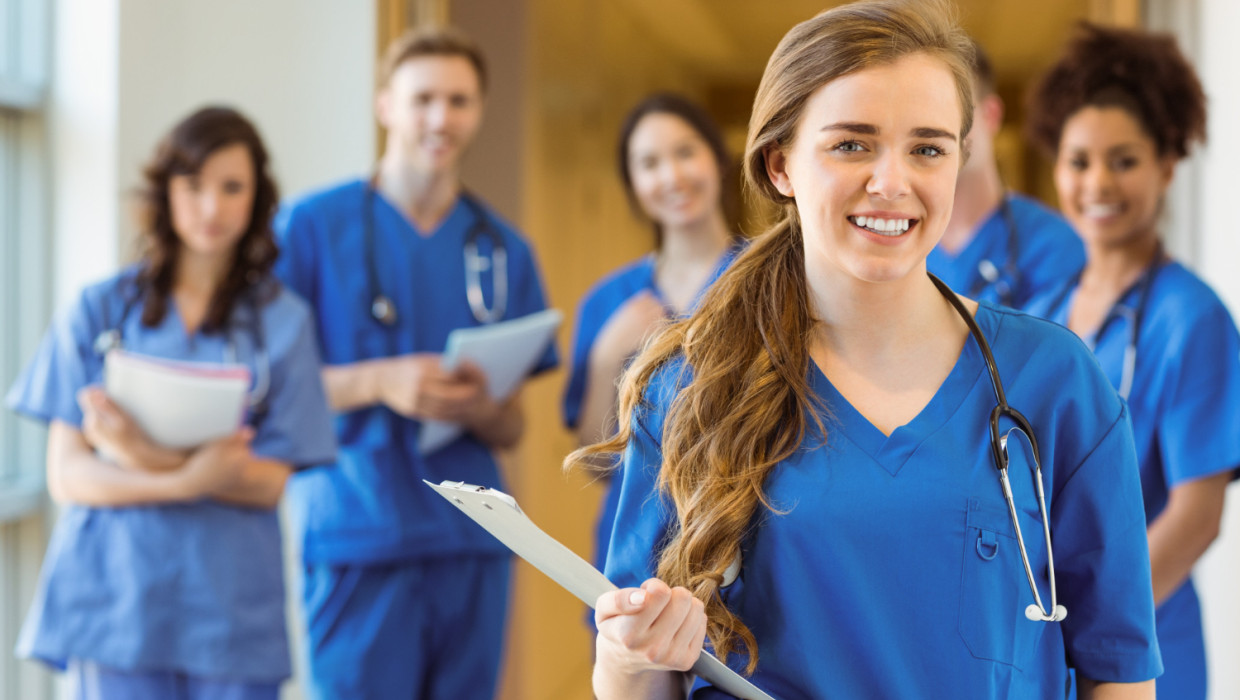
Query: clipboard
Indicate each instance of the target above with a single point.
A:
(506, 351)
(502, 517)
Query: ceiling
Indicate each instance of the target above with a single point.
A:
(731, 40)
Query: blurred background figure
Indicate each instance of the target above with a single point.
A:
(164, 576)
(999, 245)
(404, 597)
(1117, 112)
(674, 164)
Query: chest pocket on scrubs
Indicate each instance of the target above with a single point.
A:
(993, 589)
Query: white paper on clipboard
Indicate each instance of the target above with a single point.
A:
(506, 351)
(502, 517)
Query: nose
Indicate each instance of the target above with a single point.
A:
(889, 179)
(209, 202)
(1098, 179)
(436, 113)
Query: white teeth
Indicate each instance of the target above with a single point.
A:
(884, 226)
(1100, 210)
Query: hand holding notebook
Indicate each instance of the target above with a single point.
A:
(179, 405)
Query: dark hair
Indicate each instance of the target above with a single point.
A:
(1142, 73)
(697, 119)
(183, 152)
(432, 41)
(983, 71)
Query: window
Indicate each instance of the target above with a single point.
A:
(24, 286)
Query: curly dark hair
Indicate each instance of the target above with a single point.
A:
(700, 121)
(183, 152)
(1143, 73)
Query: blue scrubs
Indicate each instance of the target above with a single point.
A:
(185, 588)
(1047, 252)
(890, 568)
(596, 309)
(1185, 403)
(367, 523)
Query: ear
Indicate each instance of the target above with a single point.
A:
(991, 113)
(383, 107)
(1166, 166)
(777, 169)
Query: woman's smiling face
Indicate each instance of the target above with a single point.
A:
(1110, 177)
(873, 166)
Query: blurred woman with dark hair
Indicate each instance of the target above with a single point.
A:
(673, 163)
(1117, 112)
(164, 578)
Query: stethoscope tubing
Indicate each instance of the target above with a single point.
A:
(993, 274)
(999, 453)
(383, 307)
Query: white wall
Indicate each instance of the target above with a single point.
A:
(126, 70)
(1218, 54)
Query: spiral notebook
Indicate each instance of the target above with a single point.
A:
(177, 404)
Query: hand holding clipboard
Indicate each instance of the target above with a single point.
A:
(500, 515)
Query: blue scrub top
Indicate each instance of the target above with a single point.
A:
(1048, 252)
(596, 309)
(1185, 403)
(890, 568)
(197, 587)
(374, 506)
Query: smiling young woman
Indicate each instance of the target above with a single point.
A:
(815, 435)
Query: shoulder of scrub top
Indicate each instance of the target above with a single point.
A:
(1182, 304)
(324, 205)
(1054, 379)
(1045, 233)
(65, 360)
(593, 312)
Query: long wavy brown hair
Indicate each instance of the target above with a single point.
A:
(183, 152)
(747, 404)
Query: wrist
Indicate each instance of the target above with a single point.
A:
(374, 382)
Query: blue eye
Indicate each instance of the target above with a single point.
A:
(929, 151)
(849, 147)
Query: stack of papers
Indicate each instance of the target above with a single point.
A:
(180, 405)
(506, 352)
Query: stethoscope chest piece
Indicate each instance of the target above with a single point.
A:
(383, 310)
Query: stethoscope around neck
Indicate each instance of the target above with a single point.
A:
(1135, 315)
(1035, 611)
(112, 338)
(1006, 279)
(383, 306)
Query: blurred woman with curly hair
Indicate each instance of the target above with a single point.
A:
(1117, 112)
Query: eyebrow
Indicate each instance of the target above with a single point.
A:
(921, 132)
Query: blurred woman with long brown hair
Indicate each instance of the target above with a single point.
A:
(164, 577)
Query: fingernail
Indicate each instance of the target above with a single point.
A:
(637, 597)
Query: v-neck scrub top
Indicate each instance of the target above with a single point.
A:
(374, 507)
(1048, 252)
(1185, 403)
(890, 567)
(193, 587)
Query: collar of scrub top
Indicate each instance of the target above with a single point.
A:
(112, 338)
(382, 305)
(999, 452)
(1005, 278)
(1134, 313)
(1035, 611)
